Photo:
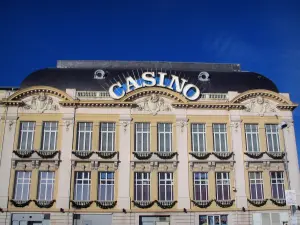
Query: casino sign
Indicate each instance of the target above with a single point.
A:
(151, 79)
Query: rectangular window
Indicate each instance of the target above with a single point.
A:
(106, 186)
(165, 188)
(223, 186)
(164, 137)
(220, 137)
(213, 220)
(26, 135)
(82, 186)
(49, 135)
(142, 137)
(200, 186)
(198, 137)
(141, 186)
(84, 136)
(22, 185)
(107, 137)
(252, 137)
(277, 185)
(46, 186)
(272, 137)
(256, 186)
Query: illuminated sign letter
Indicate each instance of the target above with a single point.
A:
(175, 79)
(149, 77)
(195, 95)
(112, 91)
(161, 79)
(130, 82)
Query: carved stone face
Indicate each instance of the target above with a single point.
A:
(260, 100)
(154, 98)
(42, 96)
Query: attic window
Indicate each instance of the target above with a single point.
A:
(99, 74)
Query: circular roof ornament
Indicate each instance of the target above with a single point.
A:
(203, 76)
(99, 74)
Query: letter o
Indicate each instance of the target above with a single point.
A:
(195, 95)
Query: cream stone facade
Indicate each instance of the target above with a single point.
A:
(221, 118)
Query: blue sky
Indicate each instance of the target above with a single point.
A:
(263, 36)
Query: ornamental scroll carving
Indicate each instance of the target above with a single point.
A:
(260, 106)
(153, 104)
(41, 103)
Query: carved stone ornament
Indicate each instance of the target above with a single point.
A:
(68, 123)
(41, 103)
(260, 106)
(153, 104)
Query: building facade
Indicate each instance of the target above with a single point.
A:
(144, 143)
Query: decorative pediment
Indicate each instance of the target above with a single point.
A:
(40, 103)
(153, 104)
(260, 106)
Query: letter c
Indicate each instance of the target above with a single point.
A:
(112, 91)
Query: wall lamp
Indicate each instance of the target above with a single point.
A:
(243, 208)
(184, 210)
(1, 210)
(124, 210)
(62, 210)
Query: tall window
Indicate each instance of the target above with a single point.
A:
(223, 186)
(200, 186)
(22, 185)
(26, 135)
(256, 185)
(107, 137)
(141, 186)
(213, 220)
(165, 188)
(84, 136)
(252, 137)
(106, 186)
(49, 135)
(220, 137)
(277, 182)
(82, 186)
(46, 186)
(165, 137)
(272, 138)
(198, 137)
(142, 137)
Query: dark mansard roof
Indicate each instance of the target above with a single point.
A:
(222, 77)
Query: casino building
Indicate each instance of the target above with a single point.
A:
(147, 143)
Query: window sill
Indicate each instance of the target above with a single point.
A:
(44, 203)
(106, 204)
(81, 204)
(202, 203)
(258, 203)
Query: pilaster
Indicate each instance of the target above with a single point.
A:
(183, 166)
(63, 195)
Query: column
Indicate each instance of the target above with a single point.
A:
(124, 166)
(237, 148)
(64, 172)
(6, 154)
(183, 165)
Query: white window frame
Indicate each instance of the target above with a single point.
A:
(82, 134)
(272, 132)
(52, 129)
(107, 132)
(278, 181)
(49, 181)
(200, 134)
(163, 183)
(165, 134)
(224, 181)
(86, 176)
(213, 216)
(258, 179)
(142, 132)
(106, 182)
(251, 133)
(145, 181)
(217, 132)
(22, 181)
(201, 183)
(24, 134)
